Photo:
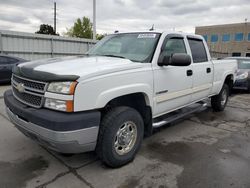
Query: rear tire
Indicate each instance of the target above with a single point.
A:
(219, 101)
(120, 136)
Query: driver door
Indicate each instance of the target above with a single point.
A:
(172, 85)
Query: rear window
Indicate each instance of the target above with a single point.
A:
(244, 64)
(198, 50)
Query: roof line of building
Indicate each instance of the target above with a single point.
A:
(223, 25)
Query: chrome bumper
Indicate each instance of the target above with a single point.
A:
(77, 141)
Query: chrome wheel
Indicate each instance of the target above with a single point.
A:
(125, 138)
(224, 98)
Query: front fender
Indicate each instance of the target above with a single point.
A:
(96, 93)
(113, 93)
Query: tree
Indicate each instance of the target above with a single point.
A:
(82, 28)
(100, 36)
(46, 29)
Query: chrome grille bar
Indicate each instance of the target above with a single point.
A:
(32, 93)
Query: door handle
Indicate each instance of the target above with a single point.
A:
(208, 70)
(189, 72)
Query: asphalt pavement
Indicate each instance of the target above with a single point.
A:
(206, 149)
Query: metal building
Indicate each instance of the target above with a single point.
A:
(227, 40)
(37, 46)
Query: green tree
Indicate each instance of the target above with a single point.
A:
(46, 29)
(100, 36)
(82, 28)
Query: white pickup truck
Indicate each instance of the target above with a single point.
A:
(110, 98)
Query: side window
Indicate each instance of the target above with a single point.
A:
(198, 50)
(7, 60)
(174, 45)
(10, 60)
(1, 60)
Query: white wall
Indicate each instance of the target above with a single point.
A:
(37, 46)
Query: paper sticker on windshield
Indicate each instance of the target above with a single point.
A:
(146, 35)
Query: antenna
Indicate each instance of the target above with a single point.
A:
(152, 28)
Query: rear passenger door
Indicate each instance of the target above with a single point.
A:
(202, 69)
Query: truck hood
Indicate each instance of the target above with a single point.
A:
(72, 68)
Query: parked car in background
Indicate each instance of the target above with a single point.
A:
(243, 73)
(6, 65)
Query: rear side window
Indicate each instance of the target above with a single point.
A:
(198, 50)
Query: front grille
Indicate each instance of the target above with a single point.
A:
(28, 98)
(240, 83)
(28, 91)
(35, 85)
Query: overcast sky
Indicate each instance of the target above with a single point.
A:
(183, 15)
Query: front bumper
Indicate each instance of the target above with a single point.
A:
(61, 132)
(242, 84)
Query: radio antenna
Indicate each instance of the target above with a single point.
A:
(152, 28)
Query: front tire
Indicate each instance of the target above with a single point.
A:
(219, 101)
(120, 136)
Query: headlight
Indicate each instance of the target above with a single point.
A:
(66, 106)
(62, 87)
(242, 76)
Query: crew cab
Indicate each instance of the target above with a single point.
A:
(110, 98)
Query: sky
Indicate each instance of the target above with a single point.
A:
(123, 15)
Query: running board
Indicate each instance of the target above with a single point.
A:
(173, 116)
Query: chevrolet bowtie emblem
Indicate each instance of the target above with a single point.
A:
(20, 87)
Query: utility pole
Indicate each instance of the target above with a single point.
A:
(94, 19)
(55, 17)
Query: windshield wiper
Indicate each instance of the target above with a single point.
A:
(111, 55)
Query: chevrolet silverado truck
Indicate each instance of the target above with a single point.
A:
(110, 98)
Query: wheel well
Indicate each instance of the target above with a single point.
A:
(136, 101)
(230, 82)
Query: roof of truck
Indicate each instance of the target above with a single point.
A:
(161, 31)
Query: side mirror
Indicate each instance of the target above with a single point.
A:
(177, 59)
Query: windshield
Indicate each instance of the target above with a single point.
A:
(138, 47)
(244, 64)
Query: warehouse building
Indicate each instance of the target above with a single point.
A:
(227, 40)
